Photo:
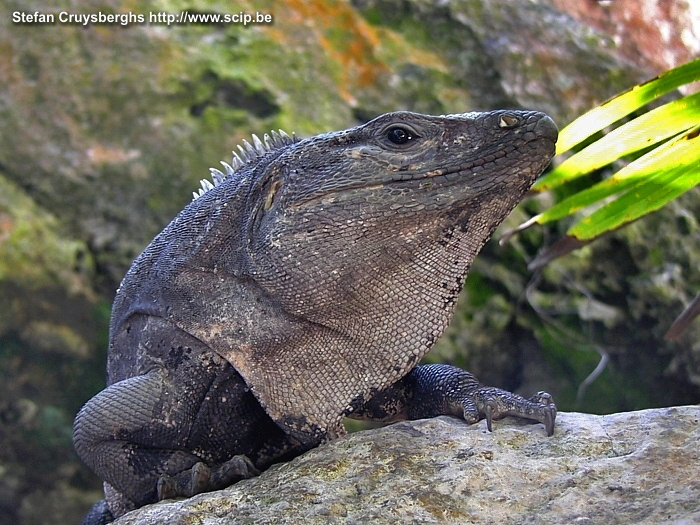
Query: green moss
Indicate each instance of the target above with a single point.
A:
(328, 471)
(442, 508)
(33, 249)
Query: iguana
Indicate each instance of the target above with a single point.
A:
(301, 287)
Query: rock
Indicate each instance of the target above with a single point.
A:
(655, 33)
(634, 467)
(517, 53)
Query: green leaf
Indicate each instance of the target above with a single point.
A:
(642, 132)
(677, 170)
(632, 174)
(618, 107)
(648, 183)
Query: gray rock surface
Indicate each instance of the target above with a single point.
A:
(633, 467)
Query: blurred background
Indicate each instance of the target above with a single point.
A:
(106, 129)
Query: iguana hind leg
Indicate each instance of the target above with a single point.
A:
(434, 390)
(150, 438)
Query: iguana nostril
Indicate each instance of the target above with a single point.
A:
(508, 121)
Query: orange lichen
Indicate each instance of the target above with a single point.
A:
(343, 35)
(101, 154)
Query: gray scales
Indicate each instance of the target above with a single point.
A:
(304, 286)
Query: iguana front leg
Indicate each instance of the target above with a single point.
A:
(435, 390)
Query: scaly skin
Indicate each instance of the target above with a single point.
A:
(303, 288)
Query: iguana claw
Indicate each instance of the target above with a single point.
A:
(200, 478)
(488, 412)
(494, 404)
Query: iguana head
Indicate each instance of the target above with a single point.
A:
(388, 207)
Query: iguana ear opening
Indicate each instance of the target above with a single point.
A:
(274, 187)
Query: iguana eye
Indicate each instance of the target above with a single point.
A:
(399, 135)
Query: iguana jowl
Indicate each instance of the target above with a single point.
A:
(301, 288)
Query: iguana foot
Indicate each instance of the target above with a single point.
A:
(201, 478)
(436, 390)
(493, 404)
